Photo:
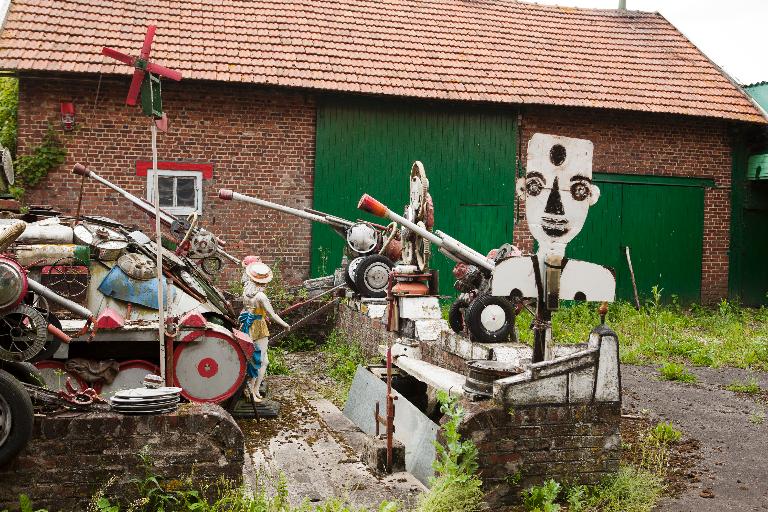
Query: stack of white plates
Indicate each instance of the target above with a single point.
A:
(146, 400)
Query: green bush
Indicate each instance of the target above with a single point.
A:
(664, 433)
(541, 498)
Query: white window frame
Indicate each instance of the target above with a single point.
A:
(177, 210)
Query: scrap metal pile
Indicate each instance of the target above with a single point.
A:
(79, 301)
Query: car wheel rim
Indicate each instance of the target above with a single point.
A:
(493, 318)
(377, 276)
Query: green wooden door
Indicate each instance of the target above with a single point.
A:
(369, 147)
(661, 220)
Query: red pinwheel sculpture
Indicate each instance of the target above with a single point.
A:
(143, 80)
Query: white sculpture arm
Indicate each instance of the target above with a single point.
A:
(264, 300)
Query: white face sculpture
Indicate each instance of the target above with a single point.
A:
(557, 188)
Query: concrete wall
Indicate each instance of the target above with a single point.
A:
(72, 455)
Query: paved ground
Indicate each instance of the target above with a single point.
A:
(307, 444)
(732, 429)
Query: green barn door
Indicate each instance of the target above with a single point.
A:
(661, 220)
(369, 147)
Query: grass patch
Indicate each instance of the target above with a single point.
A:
(751, 387)
(757, 417)
(676, 372)
(342, 357)
(277, 363)
(724, 335)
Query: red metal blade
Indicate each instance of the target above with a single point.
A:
(109, 52)
(133, 92)
(148, 42)
(157, 69)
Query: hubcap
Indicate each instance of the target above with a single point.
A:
(377, 276)
(493, 318)
(5, 420)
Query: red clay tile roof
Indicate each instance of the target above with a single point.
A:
(480, 50)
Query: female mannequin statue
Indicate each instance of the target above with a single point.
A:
(256, 307)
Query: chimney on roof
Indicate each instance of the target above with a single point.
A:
(622, 5)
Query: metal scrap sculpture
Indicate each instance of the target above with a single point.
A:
(372, 249)
(558, 192)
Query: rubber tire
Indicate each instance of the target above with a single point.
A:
(476, 328)
(22, 415)
(23, 372)
(348, 280)
(53, 343)
(360, 284)
(456, 316)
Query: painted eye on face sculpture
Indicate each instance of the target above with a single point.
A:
(580, 190)
(533, 186)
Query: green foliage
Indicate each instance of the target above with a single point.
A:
(342, 356)
(757, 417)
(457, 488)
(296, 342)
(725, 335)
(664, 433)
(676, 372)
(751, 387)
(457, 459)
(32, 168)
(541, 498)
(630, 490)
(235, 287)
(9, 105)
(277, 362)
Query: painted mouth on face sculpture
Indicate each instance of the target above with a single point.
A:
(554, 227)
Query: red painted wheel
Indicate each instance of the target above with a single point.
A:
(209, 366)
(130, 376)
(55, 376)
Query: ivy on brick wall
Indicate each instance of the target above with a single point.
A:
(9, 103)
(32, 168)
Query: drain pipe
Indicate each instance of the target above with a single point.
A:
(622, 5)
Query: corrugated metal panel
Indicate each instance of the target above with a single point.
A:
(662, 223)
(367, 146)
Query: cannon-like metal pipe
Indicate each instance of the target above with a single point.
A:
(147, 207)
(64, 302)
(143, 205)
(315, 216)
(446, 244)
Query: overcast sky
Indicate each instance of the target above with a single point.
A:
(731, 32)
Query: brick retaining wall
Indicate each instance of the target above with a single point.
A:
(72, 455)
(527, 445)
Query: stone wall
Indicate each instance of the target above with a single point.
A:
(73, 455)
(522, 446)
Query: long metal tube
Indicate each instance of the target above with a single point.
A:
(444, 242)
(67, 304)
(231, 195)
(147, 207)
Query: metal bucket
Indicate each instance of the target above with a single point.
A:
(482, 373)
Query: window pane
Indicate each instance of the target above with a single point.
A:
(185, 192)
(166, 191)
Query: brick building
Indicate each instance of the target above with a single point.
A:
(312, 104)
